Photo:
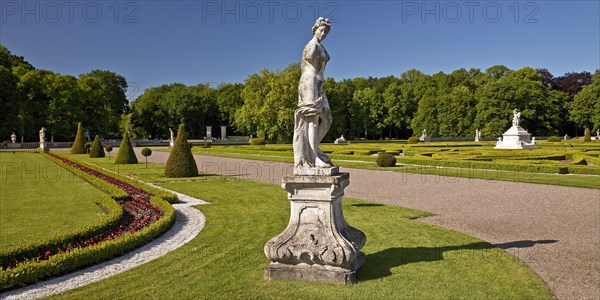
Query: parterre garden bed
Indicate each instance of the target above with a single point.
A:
(137, 213)
(582, 158)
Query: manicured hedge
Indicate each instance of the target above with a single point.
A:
(167, 196)
(258, 141)
(37, 248)
(33, 270)
(125, 155)
(115, 192)
(79, 144)
(386, 160)
(486, 165)
(181, 162)
(97, 150)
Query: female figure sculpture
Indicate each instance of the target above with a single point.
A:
(42, 135)
(312, 103)
(516, 117)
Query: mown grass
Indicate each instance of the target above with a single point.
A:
(406, 259)
(39, 199)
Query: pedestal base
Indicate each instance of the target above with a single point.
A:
(318, 244)
(314, 273)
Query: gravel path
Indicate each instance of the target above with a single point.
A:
(188, 224)
(555, 230)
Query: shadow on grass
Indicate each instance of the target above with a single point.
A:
(379, 264)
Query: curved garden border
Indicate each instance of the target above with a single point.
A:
(144, 216)
(188, 224)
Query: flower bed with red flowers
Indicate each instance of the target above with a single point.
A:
(137, 217)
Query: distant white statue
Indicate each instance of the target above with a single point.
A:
(533, 140)
(340, 140)
(566, 137)
(516, 118)
(313, 117)
(42, 135)
(477, 134)
(499, 140)
(598, 135)
(86, 134)
(13, 137)
(424, 137)
(172, 138)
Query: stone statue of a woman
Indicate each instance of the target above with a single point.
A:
(312, 105)
(516, 117)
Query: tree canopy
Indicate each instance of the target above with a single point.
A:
(450, 105)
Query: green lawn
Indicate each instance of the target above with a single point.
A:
(406, 259)
(38, 199)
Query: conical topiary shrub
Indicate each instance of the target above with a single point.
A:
(79, 144)
(97, 150)
(181, 162)
(587, 135)
(125, 155)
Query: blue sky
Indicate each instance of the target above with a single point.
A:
(158, 42)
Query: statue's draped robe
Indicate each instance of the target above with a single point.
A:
(311, 102)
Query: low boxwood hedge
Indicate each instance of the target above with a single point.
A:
(115, 192)
(37, 248)
(33, 270)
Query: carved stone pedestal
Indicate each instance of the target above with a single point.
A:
(318, 244)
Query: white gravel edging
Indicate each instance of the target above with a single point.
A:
(188, 224)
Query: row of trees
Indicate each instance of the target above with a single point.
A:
(32, 98)
(452, 104)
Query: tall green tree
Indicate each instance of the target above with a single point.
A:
(585, 109)
(229, 100)
(270, 99)
(195, 106)
(104, 100)
(63, 111)
(151, 111)
(521, 89)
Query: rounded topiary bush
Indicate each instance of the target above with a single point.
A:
(108, 149)
(386, 160)
(258, 141)
(553, 139)
(181, 162)
(146, 152)
(125, 155)
(587, 136)
(97, 150)
(413, 140)
(79, 144)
